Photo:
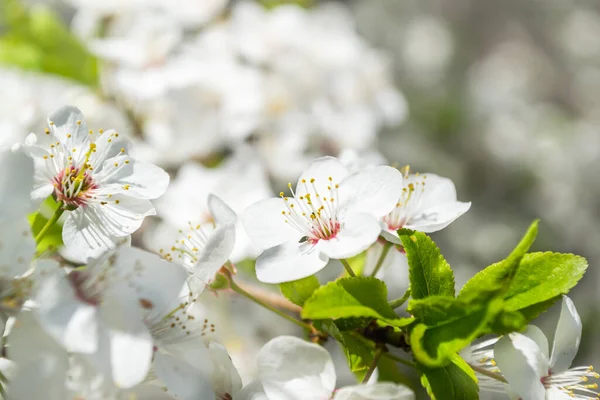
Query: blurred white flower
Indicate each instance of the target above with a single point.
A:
(534, 373)
(204, 248)
(293, 369)
(181, 360)
(332, 214)
(239, 181)
(98, 311)
(89, 173)
(428, 204)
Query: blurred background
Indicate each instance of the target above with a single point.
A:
(237, 97)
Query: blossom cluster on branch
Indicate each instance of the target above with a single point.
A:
(88, 315)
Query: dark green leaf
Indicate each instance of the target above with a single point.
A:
(429, 272)
(508, 321)
(299, 291)
(448, 324)
(456, 381)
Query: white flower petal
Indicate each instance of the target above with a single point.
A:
(523, 365)
(252, 391)
(138, 179)
(289, 261)
(16, 184)
(215, 253)
(437, 217)
(290, 368)
(225, 377)
(17, 248)
(566, 338)
(181, 381)
(377, 391)
(438, 190)
(131, 345)
(266, 225)
(375, 191)
(90, 231)
(221, 212)
(157, 282)
(320, 170)
(534, 333)
(553, 393)
(42, 362)
(70, 321)
(68, 125)
(357, 234)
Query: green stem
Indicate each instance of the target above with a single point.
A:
(53, 219)
(348, 267)
(386, 248)
(400, 360)
(378, 353)
(487, 373)
(398, 302)
(241, 291)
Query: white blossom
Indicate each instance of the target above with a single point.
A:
(107, 194)
(331, 214)
(293, 369)
(427, 204)
(535, 373)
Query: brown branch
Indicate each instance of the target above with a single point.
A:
(273, 299)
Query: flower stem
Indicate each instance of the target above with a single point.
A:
(378, 353)
(488, 373)
(348, 267)
(53, 219)
(241, 291)
(386, 248)
(398, 302)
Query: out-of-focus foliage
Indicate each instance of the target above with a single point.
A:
(36, 39)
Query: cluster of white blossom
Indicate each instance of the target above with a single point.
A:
(117, 321)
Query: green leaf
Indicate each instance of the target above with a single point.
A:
(456, 381)
(358, 352)
(389, 372)
(508, 321)
(37, 220)
(299, 291)
(542, 277)
(500, 275)
(429, 272)
(447, 325)
(38, 40)
(352, 297)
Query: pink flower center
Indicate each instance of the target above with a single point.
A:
(313, 214)
(73, 187)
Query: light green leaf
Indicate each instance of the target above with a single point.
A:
(37, 220)
(456, 381)
(500, 275)
(542, 277)
(36, 39)
(429, 272)
(299, 291)
(350, 298)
